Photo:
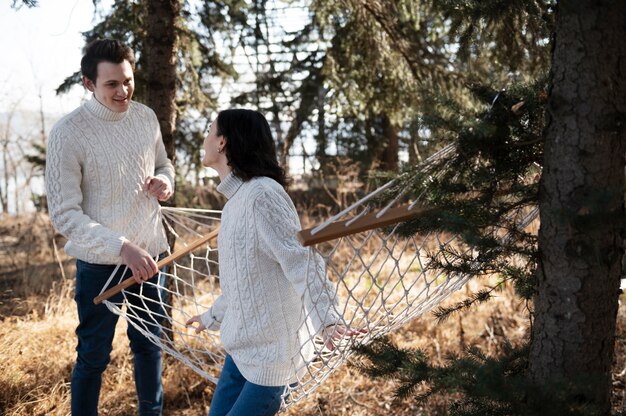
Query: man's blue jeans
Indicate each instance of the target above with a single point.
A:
(95, 333)
(235, 396)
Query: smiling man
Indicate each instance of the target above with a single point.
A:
(106, 170)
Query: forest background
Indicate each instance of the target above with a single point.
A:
(531, 94)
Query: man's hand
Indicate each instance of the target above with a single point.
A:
(140, 263)
(158, 188)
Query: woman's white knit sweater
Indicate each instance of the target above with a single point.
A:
(96, 165)
(263, 277)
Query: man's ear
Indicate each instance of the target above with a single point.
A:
(88, 84)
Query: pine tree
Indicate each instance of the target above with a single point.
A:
(493, 173)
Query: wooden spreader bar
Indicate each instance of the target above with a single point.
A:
(332, 231)
(164, 262)
(364, 223)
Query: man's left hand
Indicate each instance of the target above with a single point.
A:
(158, 188)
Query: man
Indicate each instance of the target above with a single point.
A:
(106, 168)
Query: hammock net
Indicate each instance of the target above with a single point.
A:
(380, 280)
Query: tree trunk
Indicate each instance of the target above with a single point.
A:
(581, 202)
(382, 143)
(389, 154)
(160, 72)
(160, 66)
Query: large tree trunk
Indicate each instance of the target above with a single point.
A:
(581, 201)
(160, 72)
(160, 66)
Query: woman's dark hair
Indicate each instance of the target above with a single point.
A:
(104, 50)
(250, 147)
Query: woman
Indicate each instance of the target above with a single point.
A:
(263, 269)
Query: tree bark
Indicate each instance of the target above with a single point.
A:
(582, 202)
(160, 72)
(160, 66)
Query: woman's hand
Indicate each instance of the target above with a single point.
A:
(336, 332)
(197, 319)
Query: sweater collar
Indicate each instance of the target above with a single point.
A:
(101, 111)
(230, 185)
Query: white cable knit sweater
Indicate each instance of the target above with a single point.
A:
(263, 277)
(96, 165)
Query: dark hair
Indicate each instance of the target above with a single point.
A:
(250, 147)
(104, 50)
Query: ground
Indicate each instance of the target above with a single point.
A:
(37, 344)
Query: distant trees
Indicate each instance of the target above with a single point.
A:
(22, 150)
(350, 78)
(19, 3)
(346, 77)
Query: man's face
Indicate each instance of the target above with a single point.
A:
(114, 85)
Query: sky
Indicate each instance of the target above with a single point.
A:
(40, 47)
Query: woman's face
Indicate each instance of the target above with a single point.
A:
(212, 146)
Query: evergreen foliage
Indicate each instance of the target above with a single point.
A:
(17, 4)
(481, 385)
(483, 189)
(482, 192)
(501, 36)
(38, 158)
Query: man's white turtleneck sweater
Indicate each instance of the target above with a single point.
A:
(96, 166)
(263, 277)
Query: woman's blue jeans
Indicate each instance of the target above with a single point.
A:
(235, 396)
(95, 333)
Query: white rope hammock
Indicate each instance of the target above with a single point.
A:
(380, 281)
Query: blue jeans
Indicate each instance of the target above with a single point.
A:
(235, 396)
(95, 333)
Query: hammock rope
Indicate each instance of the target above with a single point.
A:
(380, 279)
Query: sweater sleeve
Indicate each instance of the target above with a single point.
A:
(277, 225)
(213, 317)
(63, 188)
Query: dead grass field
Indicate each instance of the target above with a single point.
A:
(37, 344)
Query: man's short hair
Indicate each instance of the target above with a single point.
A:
(104, 50)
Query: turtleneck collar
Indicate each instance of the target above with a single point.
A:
(101, 111)
(230, 185)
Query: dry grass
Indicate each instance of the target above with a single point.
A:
(37, 345)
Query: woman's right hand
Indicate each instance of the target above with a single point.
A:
(332, 334)
(193, 320)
